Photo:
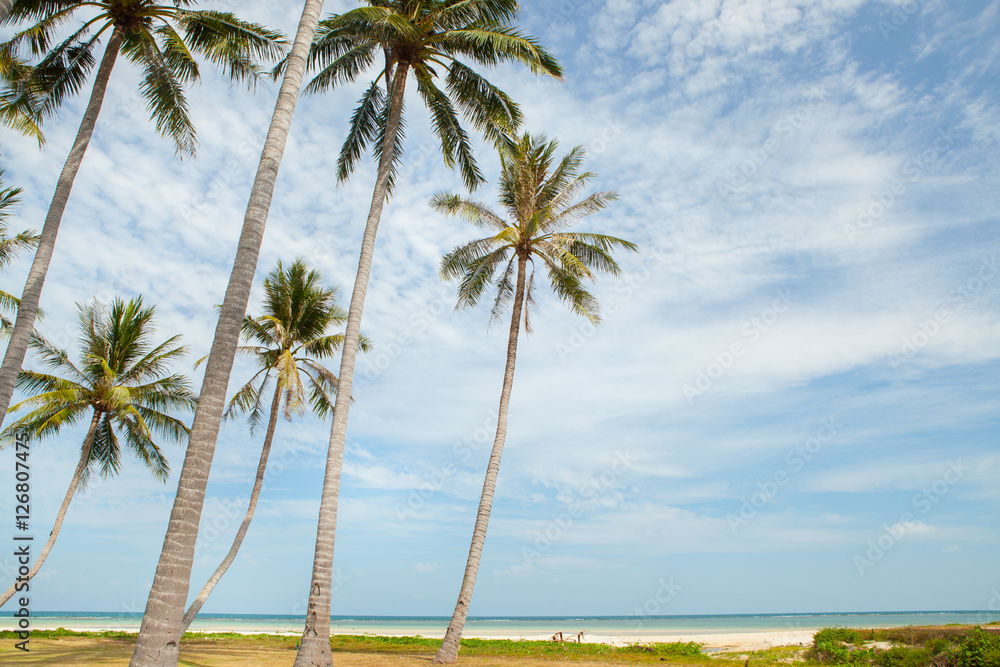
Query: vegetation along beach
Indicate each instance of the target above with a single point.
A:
(499, 332)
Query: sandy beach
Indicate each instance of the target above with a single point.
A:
(724, 641)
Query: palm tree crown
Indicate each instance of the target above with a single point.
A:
(290, 338)
(123, 379)
(159, 36)
(539, 197)
(427, 37)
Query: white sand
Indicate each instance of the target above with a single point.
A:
(727, 641)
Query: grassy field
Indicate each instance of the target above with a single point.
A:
(107, 649)
(910, 647)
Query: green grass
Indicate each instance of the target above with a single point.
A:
(940, 646)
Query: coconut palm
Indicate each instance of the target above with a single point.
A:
(539, 198)
(122, 381)
(160, 632)
(428, 39)
(289, 340)
(10, 246)
(161, 38)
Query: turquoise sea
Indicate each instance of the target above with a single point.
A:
(528, 627)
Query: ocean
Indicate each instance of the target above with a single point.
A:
(514, 626)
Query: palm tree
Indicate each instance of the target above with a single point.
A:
(148, 33)
(538, 196)
(10, 246)
(428, 39)
(5, 8)
(160, 632)
(290, 340)
(122, 380)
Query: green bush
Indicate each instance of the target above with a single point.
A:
(979, 649)
(838, 635)
(902, 656)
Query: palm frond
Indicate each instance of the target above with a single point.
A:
(475, 212)
(235, 45)
(364, 128)
(454, 139)
(165, 99)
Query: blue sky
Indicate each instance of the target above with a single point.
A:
(792, 403)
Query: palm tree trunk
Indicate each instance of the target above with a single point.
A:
(160, 633)
(448, 653)
(28, 308)
(88, 444)
(5, 6)
(241, 533)
(314, 649)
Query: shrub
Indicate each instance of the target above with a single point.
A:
(979, 649)
(838, 635)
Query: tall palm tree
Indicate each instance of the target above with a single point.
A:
(427, 39)
(160, 631)
(10, 246)
(290, 340)
(122, 381)
(539, 197)
(159, 36)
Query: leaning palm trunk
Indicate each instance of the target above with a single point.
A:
(5, 6)
(160, 633)
(314, 649)
(448, 653)
(74, 484)
(27, 310)
(242, 532)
